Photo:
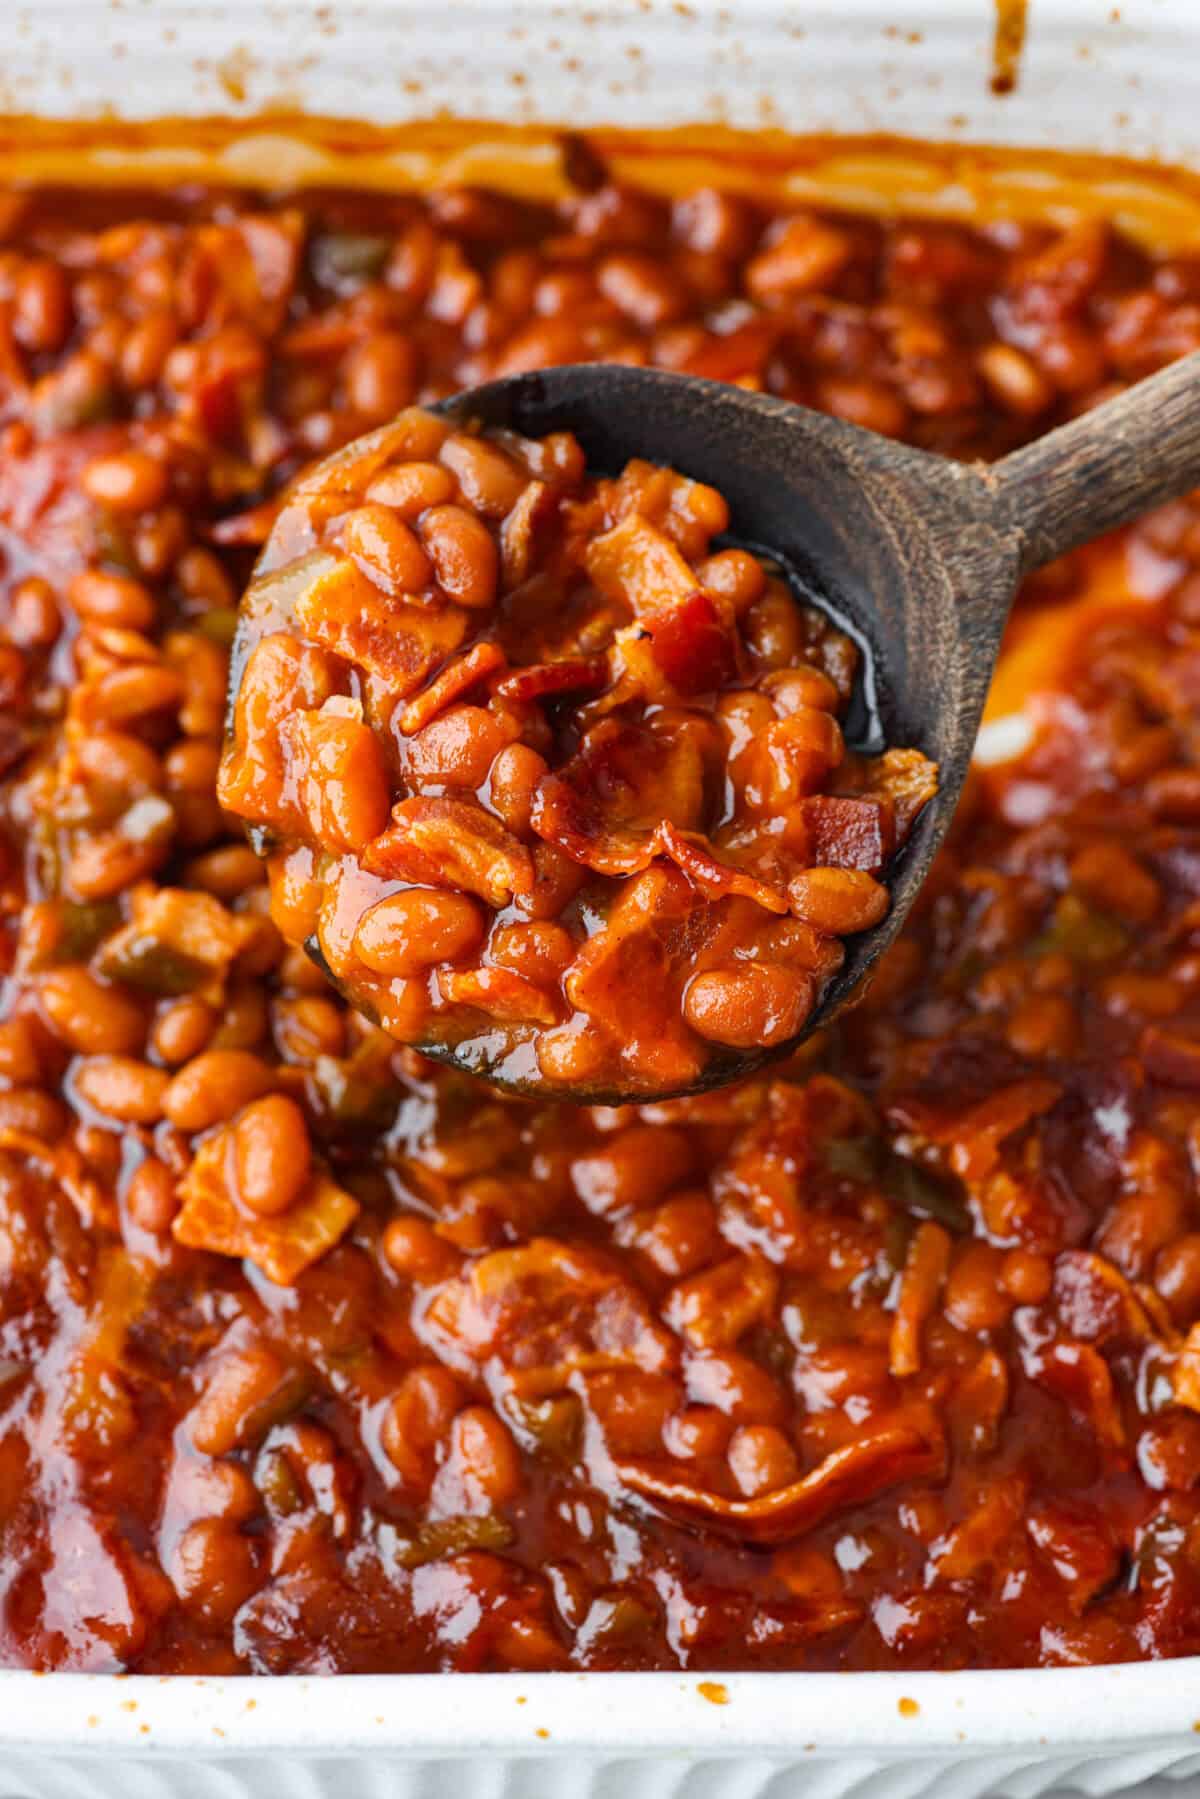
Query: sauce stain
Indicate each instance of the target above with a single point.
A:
(1012, 17)
(715, 1691)
(908, 1708)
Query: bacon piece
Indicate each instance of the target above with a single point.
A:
(603, 807)
(905, 777)
(736, 354)
(283, 1247)
(692, 646)
(451, 843)
(849, 833)
(979, 1404)
(177, 941)
(1079, 1376)
(500, 993)
(978, 1540)
(544, 680)
(641, 568)
(545, 1310)
(523, 531)
(693, 855)
(1096, 1303)
(457, 678)
(714, 1308)
(345, 612)
(924, 1271)
(620, 976)
(846, 1478)
(976, 1138)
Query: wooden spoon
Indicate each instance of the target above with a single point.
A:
(918, 556)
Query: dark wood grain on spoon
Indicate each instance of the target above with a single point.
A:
(922, 556)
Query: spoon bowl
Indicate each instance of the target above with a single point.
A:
(918, 557)
(884, 538)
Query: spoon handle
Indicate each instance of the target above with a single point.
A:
(1104, 468)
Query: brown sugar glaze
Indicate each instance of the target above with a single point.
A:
(317, 1359)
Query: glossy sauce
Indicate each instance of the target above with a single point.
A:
(887, 1359)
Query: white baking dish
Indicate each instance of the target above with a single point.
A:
(1121, 80)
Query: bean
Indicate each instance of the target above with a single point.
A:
(272, 1154)
(147, 345)
(106, 599)
(975, 1298)
(631, 1168)
(1027, 1276)
(772, 629)
(482, 1463)
(410, 488)
(1014, 380)
(456, 749)
(341, 779)
(41, 306)
(838, 900)
(416, 929)
(123, 1088)
(105, 865)
(239, 1383)
(698, 1432)
(215, 1569)
(539, 951)
(89, 1016)
(417, 1421)
(872, 405)
(679, 1236)
(515, 774)
(804, 254)
(227, 872)
(214, 1086)
(799, 690)
(386, 550)
(151, 1198)
(380, 374)
(34, 1113)
(416, 1252)
(19, 1061)
(464, 554)
(488, 478)
(115, 759)
(735, 576)
(191, 767)
(133, 692)
(761, 1459)
(34, 618)
(128, 481)
(309, 1026)
(1177, 1277)
(644, 288)
(757, 1004)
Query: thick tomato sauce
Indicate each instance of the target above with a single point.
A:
(315, 1358)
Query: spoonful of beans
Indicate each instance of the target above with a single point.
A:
(600, 725)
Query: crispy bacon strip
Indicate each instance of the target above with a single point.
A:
(924, 1271)
(693, 855)
(544, 680)
(457, 678)
(847, 1477)
(451, 843)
